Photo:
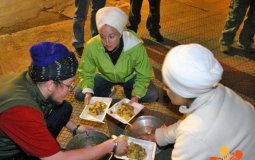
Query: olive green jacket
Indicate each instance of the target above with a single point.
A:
(18, 91)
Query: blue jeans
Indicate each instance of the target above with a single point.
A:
(239, 10)
(80, 16)
(96, 5)
(102, 88)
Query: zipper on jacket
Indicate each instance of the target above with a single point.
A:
(114, 71)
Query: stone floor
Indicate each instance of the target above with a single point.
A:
(182, 21)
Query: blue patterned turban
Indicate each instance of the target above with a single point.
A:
(51, 61)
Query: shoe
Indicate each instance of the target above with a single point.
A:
(157, 36)
(249, 49)
(79, 51)
(225, 48)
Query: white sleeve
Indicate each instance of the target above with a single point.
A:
(165, 136)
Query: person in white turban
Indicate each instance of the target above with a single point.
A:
(217, 121)
(115, 56)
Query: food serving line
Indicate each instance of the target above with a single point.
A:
(109, 123)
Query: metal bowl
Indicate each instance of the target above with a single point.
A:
(91, 138)
(144, 125)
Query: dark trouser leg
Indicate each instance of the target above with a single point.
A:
(102, 87)
(150, 96)
(79, 96)
(134, 14)
(58, 118)
(237, 11)
(153, 19)
(80, 17)
(128, 87)
(247, 33)
(96, 5)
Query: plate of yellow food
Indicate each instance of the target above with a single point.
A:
(96, 109)
(139, 150)
(123, 111)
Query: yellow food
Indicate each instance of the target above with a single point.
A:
(135, 151)
(97, 108)
(125, 111)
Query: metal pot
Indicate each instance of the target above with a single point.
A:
(91, 138)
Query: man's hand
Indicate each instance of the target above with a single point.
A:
(148, 137)
(85, 129)
(122, 145)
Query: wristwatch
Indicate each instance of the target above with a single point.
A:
(115, 145)
(75, 130)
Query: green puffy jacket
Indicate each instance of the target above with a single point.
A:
(133, 61)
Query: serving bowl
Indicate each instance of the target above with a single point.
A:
(144, 125)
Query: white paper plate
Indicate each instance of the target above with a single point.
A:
(111, 111)
(150, 148)
(98, 118)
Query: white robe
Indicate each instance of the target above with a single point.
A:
(215, 119)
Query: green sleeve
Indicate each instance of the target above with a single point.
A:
(144, 71)
(87, 69)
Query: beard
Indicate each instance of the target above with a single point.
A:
(52, 101)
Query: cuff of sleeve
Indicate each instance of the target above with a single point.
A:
(138, 97)
(162, 138)
(87, 90)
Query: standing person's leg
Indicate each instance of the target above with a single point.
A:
(58, 118)
(153, 20)
(150, 96)
(96, 5)
(80, 17)
(237, 12)
(134, 14)
(248, 31)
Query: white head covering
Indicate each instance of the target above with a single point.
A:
(112, 16)
(191, 70)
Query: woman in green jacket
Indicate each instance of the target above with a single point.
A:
(115, 57)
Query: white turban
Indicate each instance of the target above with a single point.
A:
(112, 16)
(191, 70)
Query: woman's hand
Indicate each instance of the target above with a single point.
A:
(85, 129)
(87, 98)
(133, 99)
(148, 137)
